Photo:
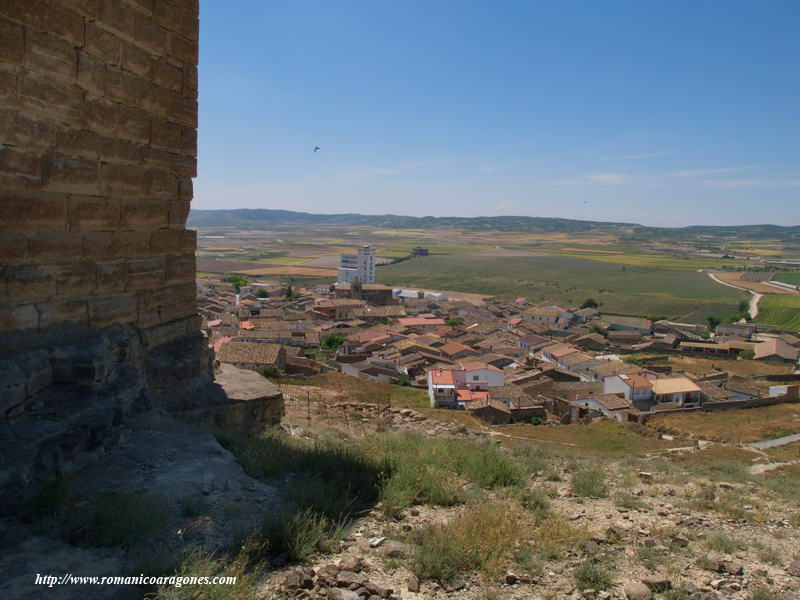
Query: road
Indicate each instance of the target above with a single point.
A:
(781, 441)
(753, 301)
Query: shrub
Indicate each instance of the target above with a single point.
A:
(194, 507)
(269, 371)
(589, 482)
(248, 575)
(723, 543)
(479, 539)
(555, 535)
(534, 500)
(650, 558)
(45, 500)
(300, 534)
(118, 519)
(590, 575)
(628, 500)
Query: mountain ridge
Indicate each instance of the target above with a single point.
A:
(261, 218)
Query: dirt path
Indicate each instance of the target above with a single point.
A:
(753, 301)
(781, 441)
(759, 469)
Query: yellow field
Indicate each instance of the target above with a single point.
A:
(289, 270)
(737, 425)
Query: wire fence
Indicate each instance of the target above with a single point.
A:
(325, 408)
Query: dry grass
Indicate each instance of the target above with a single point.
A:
(302, 271)
(602, 438)
(698, 365)
(737, 425)
(480, 539)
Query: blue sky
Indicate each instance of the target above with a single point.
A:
(662, 113)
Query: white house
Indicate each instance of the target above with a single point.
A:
(635, 387)
(679, 390)
(453, 388)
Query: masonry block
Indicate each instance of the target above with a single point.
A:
(165, 241)
(20, 170)
(102, 44)
(46, 246)
(18, 318)
(32, 213)
(119, 17)
(92, 74)
(49, 54)
(70, 175)
(110, 276)
(168, 76)
(132, 243)
(60, 312)
(122, 181)
(12, 386)
(137, 61)
(50, 97)
(178, 213)
(112, 309)
(181, 267)
(13, 246)
(75, 279)
(150, 214)
(17, 129)
(93, 213)
(12, 42)
(78, 143)
(27, 282)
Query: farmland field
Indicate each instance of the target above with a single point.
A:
(650, 278)
(793, 278)
(781, 310)
(737, 425)
(676, 294)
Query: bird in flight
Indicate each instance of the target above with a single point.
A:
(317, 148)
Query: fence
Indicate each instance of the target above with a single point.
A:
(325, 408)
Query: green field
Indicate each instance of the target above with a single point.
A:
(623, 289)
(789, 277)
(781, 310)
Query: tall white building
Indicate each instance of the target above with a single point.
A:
(360, 266)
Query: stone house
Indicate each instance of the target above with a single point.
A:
(252, 355)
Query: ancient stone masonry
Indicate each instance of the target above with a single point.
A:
(98, 143)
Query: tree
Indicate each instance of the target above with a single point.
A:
(712, 322)
(262, 294)
(403, 380)
(747, 354)
(332, 343)
(601, 330)
(590, 303)
(269, 371)
(291, 294)
(238, 282)
(454, 322)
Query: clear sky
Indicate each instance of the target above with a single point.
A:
(658, 112)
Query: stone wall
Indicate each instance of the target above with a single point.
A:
(98, 143)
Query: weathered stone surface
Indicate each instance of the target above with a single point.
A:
(636, 590)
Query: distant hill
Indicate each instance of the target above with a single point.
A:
(261, 218)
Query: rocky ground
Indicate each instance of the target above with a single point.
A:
(691, 523)
(660, 533)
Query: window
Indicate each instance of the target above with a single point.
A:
(475, 377)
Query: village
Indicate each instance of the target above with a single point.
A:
(502, 361)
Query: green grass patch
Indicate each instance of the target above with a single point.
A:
(620, 288)
(480, 539)
(590, 575)
(589, 482)
(781, 310)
